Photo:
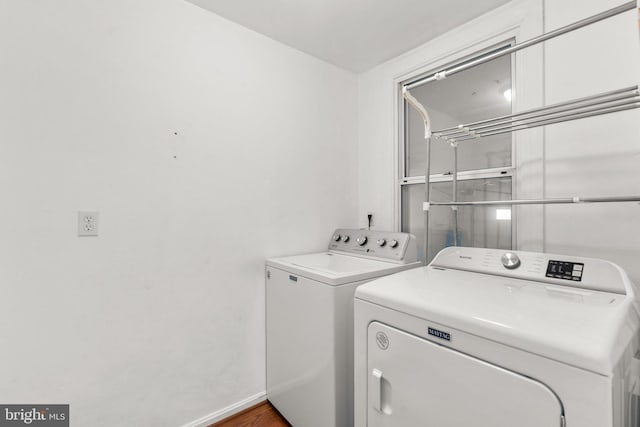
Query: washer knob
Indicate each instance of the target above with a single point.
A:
(336, 237)
(510, 261)
(362, 240)
(345, 238)
(393, 243)
(381, 242)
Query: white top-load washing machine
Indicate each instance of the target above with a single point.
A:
(309, 315)
(485, 338)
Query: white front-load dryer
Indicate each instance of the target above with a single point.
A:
(485, 338)
(309, 322)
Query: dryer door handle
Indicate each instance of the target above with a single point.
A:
(376, 389)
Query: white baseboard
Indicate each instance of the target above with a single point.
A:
(230, 410)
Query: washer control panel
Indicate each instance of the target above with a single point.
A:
(564, 270)
(386, 245)
(510, 260)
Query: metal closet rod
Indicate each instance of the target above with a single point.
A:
(513, 122)
(568, 114)
(573, 115)
(558, 201)
(579, 103)
(552, 34)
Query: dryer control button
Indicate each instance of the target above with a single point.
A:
(362, 240)
(345, 238)
(381, 242)
(336, 237)
(393, 243)
(510, 261)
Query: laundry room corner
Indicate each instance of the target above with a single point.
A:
(320, 213)
(597, 157)
(380, 104)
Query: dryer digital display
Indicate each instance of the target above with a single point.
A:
(565, 270)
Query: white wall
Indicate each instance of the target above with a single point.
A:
(160, 319)
(590, 157)
(595, 156)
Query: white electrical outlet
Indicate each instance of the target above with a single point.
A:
(88, 223)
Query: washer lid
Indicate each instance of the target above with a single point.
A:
(581, 327)
(336, 269)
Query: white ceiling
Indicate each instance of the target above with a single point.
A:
(353, 34)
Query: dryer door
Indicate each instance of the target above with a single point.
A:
(414, 382)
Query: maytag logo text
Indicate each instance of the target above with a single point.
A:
(439, 334)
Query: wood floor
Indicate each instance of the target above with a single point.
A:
(260, 415)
